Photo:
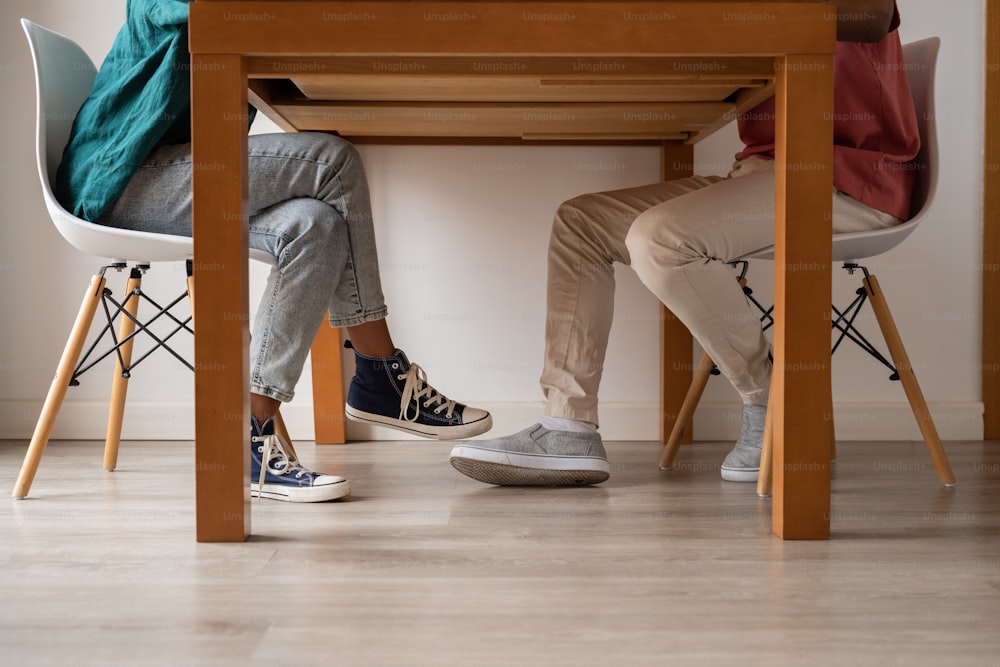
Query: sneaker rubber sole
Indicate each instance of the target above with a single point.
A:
(740, 474)
(301, 494)
(457, 432)
(513, 469)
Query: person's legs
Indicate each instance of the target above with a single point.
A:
(309, 242)
(387, 389)
(680, 251)
(588, 237)
(309, 208)
(312, 247)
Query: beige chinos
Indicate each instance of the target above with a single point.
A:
(678, 236)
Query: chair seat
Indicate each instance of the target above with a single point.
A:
(857, 245)
(119, 244)
(126, 245)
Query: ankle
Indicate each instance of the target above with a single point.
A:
(372, 339)
(263, 407)
(377, 353)
(752, 427)
(568, 425)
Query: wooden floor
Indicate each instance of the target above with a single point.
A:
(421, 566)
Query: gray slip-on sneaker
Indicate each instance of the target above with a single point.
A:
(742, 464)
(535, 456)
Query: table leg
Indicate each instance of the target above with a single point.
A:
(990, 364)
(222, 400)
(801, 389)
(328, 386)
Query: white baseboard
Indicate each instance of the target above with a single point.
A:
(883, 421)
(86, 420)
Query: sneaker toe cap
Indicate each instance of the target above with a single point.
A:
(331, 487)
(328, 480)
(473, 415)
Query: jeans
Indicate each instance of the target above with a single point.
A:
(310, 210)
(678, 236)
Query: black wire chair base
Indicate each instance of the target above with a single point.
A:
(842, 321)
(115, 310)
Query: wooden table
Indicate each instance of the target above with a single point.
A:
(563, 71)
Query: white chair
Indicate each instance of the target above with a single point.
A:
(64, 75)
(921, 58)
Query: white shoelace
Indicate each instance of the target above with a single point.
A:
(416, 387)
(274, 446)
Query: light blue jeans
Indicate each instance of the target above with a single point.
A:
(309, 209)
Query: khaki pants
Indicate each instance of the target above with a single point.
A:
(679, 237)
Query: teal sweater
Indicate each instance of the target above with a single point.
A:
(141, 99)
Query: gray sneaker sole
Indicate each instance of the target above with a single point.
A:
(740, 474)
(528, 470)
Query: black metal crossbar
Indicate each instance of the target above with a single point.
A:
(843, 321)
(115, 310)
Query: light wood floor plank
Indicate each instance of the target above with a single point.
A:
(422, 566)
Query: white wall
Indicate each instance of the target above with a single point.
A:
(463, 233)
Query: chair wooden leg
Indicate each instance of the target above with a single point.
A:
(833, 437)
(686, 414)
(119, 384)
(190, 286)
(328, 386)
(766, 456)
(60, 383)
(909, 380)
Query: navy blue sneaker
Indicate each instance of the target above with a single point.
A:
(284, 478)
(390, 391)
